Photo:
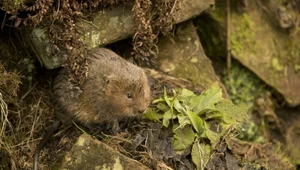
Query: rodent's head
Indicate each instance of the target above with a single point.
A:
(128, 96)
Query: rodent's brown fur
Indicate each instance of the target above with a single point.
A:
(103, 96)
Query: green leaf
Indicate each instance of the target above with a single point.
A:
(167, 117)
(163, 107)
(167, 99)
(158, 100)
(182, 120)
(197, 122)
(225, 127)
(232, 113)
(214, 114)
(200, 155)
(212, 136)
(206, 100)
(152, 115)
(185, 95)
(179, 107)
(183, 137)
(228, 141)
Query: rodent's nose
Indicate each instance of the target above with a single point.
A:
(141, 111)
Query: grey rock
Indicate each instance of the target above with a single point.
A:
(89, 153)
(182, 55)
(106, 27)
(261, 45)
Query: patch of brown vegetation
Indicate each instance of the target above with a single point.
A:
(263, 155)
(151, 18)
(24, 109)
(290, 119)
(20, 122)
(279, 124)
(26, 101)
(9, 84)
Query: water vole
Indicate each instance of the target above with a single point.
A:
(113, 89)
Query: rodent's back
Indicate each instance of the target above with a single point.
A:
(113, 89)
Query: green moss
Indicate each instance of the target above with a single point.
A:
(204, 79)
(297, 67)
(276, 65)
(242, 33)
(244, 86)
(219, 13)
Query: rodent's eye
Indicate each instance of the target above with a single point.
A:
(129, 96)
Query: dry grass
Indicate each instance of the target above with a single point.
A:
(24, 112)
(21, 126)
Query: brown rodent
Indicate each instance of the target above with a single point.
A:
(114, 89)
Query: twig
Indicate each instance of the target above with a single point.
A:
(90, 22)
(2, 25)
(3, 119)
(25, 95)
(228, 45)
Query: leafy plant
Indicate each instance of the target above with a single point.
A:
(243, 86)
(197, 118)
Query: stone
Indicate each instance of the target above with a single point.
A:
(182, 55)
(107, 26)
(262, 43)
(89, 153)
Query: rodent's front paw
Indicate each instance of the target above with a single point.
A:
(115, 127)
